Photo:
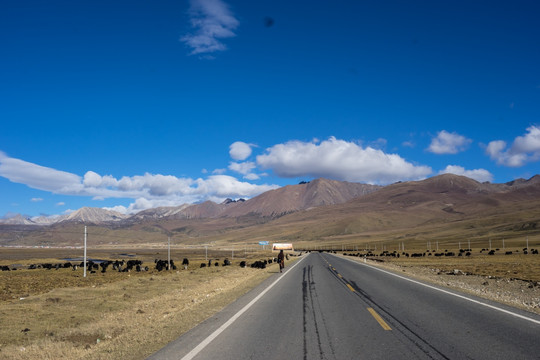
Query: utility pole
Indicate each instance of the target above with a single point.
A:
(84, 275)
(169, 254)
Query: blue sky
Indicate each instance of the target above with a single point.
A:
(128, 105)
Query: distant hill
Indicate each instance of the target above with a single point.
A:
(93, 216)
(274, 203)
(158, 213)
(87, 215)
(18, 220)
(447, 189)
(292, 198)
(443, 206)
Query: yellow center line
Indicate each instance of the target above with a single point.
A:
(350, 287)
(339, 275)
(379, 319)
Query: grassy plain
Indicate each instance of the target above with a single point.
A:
(51, 314)
(516, 266)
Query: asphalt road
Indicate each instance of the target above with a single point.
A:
(328, 307)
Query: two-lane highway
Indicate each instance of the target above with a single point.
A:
(328, 307)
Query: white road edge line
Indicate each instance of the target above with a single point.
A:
(222, 328)
(450, 293)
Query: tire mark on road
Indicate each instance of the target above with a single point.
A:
(311, 307)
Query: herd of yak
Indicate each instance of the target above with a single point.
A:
(160, 265)
(462, 252)
(136, 265)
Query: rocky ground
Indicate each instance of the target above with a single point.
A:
(518, 293)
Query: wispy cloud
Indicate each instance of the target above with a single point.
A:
(524, 149)
(220, 171)
(409, 144)
(244, 168)
(36, 199)
(38, 177)
(480, 175)
(148, 190)
(211, 21)
(340, 160)
(448, 143)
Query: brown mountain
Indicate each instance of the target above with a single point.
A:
(445, 206)
(292, 198)
(273, 203)
(158, 213)
(442, 207)
(93, 216)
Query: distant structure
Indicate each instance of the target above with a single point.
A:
(282, 246)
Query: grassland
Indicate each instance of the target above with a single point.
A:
(52, 314)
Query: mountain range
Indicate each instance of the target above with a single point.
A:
(273, 203)
(443, 207)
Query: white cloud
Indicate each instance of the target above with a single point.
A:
(524, 149)
(92, 179)
(252, 177)
(212, 21)
(239, 150)
(480, 175)
(448, 143)
(148, 190)
(118, 208)
(224, 186)
(380, 143)
(409, 144)
(38, 177)
(244, 168)
(219, 171)
(61, 203)
(36, 199)
(341, 160)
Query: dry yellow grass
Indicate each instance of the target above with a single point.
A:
(516, 266)
(129, 317)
